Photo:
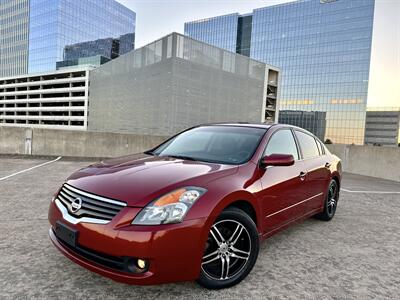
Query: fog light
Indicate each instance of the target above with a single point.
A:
(141, 263)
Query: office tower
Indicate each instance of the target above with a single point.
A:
(323, 48)
(33, 33)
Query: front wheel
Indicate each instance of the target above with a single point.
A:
(231, 250)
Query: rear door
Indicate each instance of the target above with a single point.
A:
(318, 173)
(282, 186)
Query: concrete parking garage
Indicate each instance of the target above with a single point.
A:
(356, 255)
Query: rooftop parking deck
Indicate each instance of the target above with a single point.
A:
(356, 255)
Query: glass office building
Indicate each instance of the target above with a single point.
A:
(218, 31)
(323, 48)
(313, 121)
(14, 30)
(105, 47)
(97, 52)
(45, 27)
(57, 23)
(90, 61)
(126, 43)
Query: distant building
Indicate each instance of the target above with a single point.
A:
(219, 31)
(33, 33)
(55, 100)
(322, 47)
(177, 82)
(126, 43)
(97, 52)
(14, 37)
(382, 128)
(108, 48)
(313, 121)
(159, 89)
(91, 61)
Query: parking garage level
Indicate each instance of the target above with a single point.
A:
(356, 255)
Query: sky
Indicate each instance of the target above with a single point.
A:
(157, 18)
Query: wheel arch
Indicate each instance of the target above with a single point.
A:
(244, 201)
(336, 178)
(245, 206)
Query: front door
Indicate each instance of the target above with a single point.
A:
(282, 186)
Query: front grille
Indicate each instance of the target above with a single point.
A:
(92, 206)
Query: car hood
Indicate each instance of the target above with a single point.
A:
(139, 179)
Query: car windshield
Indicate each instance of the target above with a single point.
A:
(217, 144)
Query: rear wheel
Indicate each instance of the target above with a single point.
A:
(231, 250)
(330, 202)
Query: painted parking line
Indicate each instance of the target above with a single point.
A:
(31, 168)
(369, 192)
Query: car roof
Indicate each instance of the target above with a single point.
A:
(253, 125)
(241, 124)
(257, 125)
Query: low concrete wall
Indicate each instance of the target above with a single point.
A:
(73, 143)
(381, 162)
(12, 140)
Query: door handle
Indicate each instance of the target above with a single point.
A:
(327, 165)
(303, 175)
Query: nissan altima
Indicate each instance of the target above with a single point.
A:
(195, 207)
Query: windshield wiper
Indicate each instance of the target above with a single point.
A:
(181, 157)
(149, 153)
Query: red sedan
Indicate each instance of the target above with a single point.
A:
(195, 207)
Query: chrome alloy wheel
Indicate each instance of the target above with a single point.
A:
(227, 250)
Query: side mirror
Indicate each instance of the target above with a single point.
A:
(277, 160)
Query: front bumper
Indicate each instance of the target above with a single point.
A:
(173, 251)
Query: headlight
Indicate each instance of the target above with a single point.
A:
(170, 208)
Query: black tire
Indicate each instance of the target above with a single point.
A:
(330, 205)
(238, 249)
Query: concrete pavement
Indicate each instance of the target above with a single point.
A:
(356, 255)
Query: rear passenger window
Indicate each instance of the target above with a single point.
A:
(308, 145)
(282, 142)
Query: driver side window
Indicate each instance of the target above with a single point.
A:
(282, 142)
